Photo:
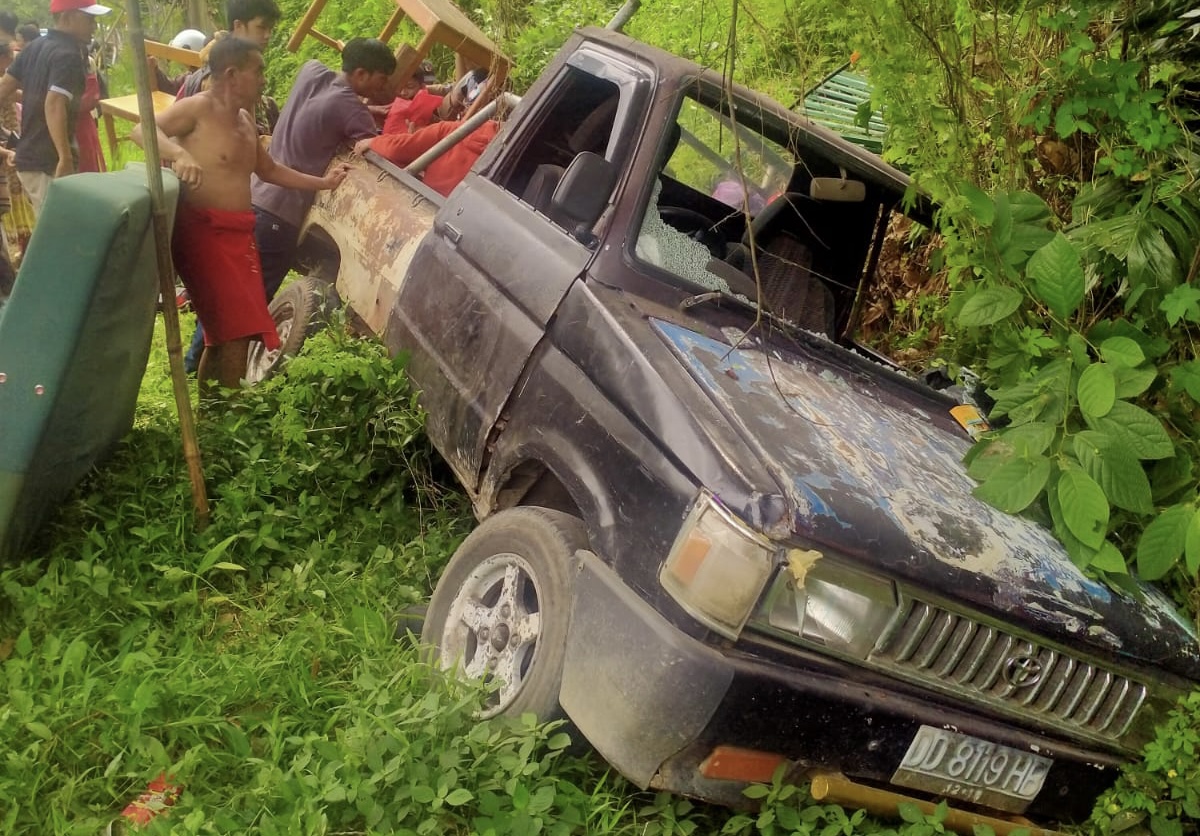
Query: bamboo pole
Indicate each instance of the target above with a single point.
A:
(166, 270)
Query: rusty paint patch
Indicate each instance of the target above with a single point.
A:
(870, 469)
(377, 223)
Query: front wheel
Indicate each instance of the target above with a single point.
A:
(500, 610)
(299, 311)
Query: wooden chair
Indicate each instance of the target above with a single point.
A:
(441, 22)
(126, 107)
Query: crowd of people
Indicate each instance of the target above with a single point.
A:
(48, 95)
(249, 170)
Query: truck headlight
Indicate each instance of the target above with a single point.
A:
(825, 602)
(717, 568)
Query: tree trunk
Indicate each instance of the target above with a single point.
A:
(198, 17)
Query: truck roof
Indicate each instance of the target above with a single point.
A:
(805, 133)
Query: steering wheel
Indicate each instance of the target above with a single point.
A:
(698, 226)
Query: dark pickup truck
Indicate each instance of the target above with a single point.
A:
(715, 532)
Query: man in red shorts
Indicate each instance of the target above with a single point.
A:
(211, 141)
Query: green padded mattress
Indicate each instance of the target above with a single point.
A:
(74, 341)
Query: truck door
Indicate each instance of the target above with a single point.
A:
(488, 279)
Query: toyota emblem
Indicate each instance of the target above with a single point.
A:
(1022, 671)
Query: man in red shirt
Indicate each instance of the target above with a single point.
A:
(446, 171)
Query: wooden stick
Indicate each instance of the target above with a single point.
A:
(166, 269)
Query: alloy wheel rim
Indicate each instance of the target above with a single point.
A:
(493, 627)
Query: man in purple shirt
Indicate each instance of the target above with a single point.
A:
(324, 111)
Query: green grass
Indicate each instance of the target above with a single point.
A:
(256, 664)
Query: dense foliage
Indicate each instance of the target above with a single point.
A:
(1063, 164)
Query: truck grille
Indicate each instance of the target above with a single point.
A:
(958, 653)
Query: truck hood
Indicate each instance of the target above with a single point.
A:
(871, 467)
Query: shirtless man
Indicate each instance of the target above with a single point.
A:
(211, 141)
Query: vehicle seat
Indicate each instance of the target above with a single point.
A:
(595, 129)
(790, 288)
(540, 188)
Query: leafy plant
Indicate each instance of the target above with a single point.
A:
(1159, 796)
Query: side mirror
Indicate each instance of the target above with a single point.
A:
(583, 192)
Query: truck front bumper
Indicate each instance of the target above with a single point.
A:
(656, 703)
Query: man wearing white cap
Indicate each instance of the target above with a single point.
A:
(51, 71)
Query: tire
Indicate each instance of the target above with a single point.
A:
(300, 310)
(500, 610)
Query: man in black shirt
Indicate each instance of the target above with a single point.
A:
(51, 72)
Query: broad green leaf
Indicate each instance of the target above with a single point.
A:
(1008, 398)
(520, 797)
(1136, 429)
(1015, 484)
(1161, 825)
(1162, 541)
(984, 457)
(1028, 439)
(1152, 347)
(1002, 229)
(458, 796)
(1183, 302)
(1187, 376)
(1080, 554)
(1084, 506)
(910, 812)
(1029, 238)
(1122, 351)
(1026, 206)
(1171, 476)
(1150, 261)
(1109, 559)
(1115, 470)
(983, 209)
(989, 306)
(1097, 390)
(1064, 123)
(1132, 382)
(1191, 546)
(1058, 276)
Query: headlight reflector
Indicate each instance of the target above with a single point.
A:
(831, 604)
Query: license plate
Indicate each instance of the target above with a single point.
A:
(959, 766)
